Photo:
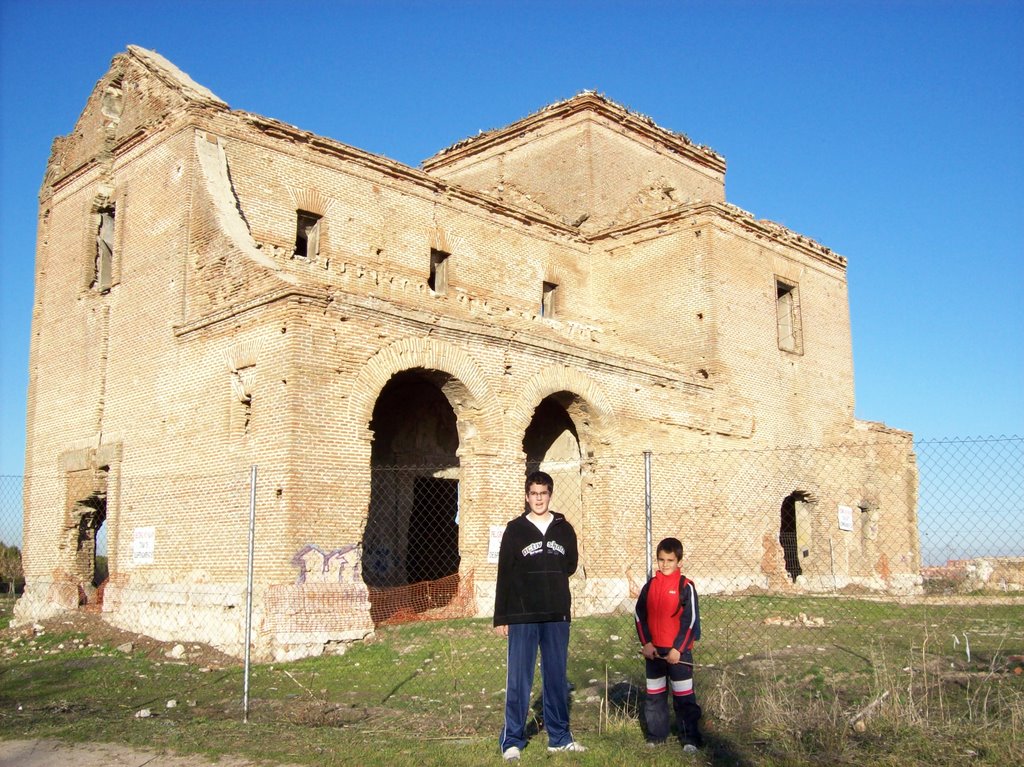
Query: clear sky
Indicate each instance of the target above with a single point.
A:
(891, 132)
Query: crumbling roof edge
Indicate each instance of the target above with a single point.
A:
(274, 128)
(879, 427)
(733, 213)
(587, 100)
(173, 77)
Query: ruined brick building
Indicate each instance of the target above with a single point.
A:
(217, 290)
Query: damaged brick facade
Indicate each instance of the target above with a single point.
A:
(217, 289)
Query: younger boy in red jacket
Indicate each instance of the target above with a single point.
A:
(668, 623)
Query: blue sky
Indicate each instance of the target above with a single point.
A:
(892, 132)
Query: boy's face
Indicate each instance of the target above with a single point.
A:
(667, 562)
(538, 497)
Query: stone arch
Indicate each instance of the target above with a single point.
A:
(564, 420)
(591, 412)
(312, 200)
(466, 391)
(441, 238)
(420, 529)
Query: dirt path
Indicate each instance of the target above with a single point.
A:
(55, 753)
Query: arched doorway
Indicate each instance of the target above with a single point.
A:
(412, 532)
(551, 443)
(793, 530)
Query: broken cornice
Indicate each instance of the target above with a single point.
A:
(592, 101)
(277, 130)
(173, 77)
(745, 219)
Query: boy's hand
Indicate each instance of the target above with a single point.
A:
(673, 656)
(649, 652)
(501, 631)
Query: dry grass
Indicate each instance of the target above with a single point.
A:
(432, 694)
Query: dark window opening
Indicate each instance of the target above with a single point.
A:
(307, 234)
(787, 307)
(103, 265)
(245, 414)
(240, 414)
(438, 279)
(547, 300)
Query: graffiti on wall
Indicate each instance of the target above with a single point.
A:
(341, 565)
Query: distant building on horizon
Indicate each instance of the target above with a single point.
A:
(395, 347)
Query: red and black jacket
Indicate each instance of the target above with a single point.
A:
(667, 613)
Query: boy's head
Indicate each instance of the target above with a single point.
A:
(539, 487)
(540, 478)
(671, 546)
(670, 555)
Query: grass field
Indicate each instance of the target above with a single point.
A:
(783, 681)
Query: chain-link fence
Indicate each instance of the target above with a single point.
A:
(778, 542)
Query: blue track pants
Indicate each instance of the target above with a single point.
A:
(524, 639)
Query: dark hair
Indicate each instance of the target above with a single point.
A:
(540, 478)
(671, 546)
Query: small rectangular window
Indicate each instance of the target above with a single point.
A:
(240, 414)
(104, 264)
(438, 280)
(547, 300)
(307, 234)
(787, 307)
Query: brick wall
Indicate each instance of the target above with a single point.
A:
(215, 348)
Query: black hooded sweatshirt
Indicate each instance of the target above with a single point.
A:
(534, 570)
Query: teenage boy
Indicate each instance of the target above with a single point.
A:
(532, 606)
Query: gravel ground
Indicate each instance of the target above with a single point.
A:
(54, 753)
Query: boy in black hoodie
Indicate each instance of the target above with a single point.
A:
(532, 608)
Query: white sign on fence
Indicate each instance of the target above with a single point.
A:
(845, 518)
(494, 544)
(143, 545)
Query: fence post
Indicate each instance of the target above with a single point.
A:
(648, 524)
(248, 594)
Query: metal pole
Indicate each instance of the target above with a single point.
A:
(647, 509)
(832, 564)
(248, 593)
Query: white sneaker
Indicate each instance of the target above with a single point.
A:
(573, 746)
(511, 754)
(689, 748)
